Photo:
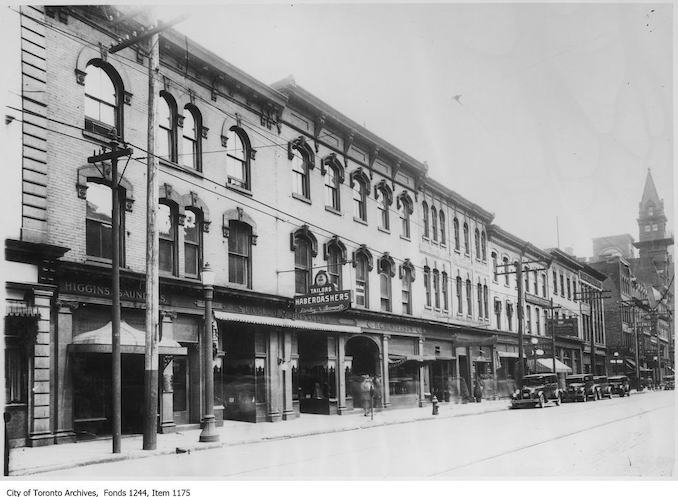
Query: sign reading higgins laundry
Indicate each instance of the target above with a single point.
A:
(323, 297)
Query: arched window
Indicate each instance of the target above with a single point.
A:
(445, 284)
(239, 253)
(527, 280)
(386, 272)
(460, 297)
(424, 208)
(506, 269)
(494, 266)
(103, 103)
(362, 285)
(384, 198)
(304, 245)
(469, 298)
(191, 138)
(99, 221)
(334, 264)
(167, 234)
(477, 242)
(427, 285)
(359, 197)
(167, 127)
(332, 189)
(443, 240)
(300, 181)
(456, 233)
(238, 159)
(467, 248)
(192, 243)
(405, 211)
(434, 224)
(483, 245)
(480, 301)
(436, 288)
(486, 304)
(407, 274)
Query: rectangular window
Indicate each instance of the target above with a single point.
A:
(562, 285)
(528, 319)
(427, 286)
(239, 239)
(555, 283)
(469, 299)
(385, 290)
(486, 295)
(460, 306)
(436, 288)
(361, 283)
(480, 301)
(446, 304)
(543, 285)
(537, 323)
(509, 315)
(406, 294)
(191, 244)
(16, 370)
(569, 294)
(497, 313)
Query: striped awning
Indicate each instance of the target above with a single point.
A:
(284, 323)
(545, 365)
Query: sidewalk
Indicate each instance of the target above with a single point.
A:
(31, 460)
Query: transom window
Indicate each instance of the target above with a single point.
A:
(239, 253)
(237, 160)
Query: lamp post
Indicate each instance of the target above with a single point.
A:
(616, 361)
(534, 341)
(209, 428)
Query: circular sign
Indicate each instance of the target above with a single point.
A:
(540, 352)
(321, 278)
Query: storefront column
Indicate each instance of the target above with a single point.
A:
(341, 377)
(420, 352)
(167, 424)
(39, 418)
(64, 384)
(288, 406)
(385, 383)
(274, 392)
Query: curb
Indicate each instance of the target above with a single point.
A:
(138, 454)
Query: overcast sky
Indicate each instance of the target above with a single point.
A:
(563, 107)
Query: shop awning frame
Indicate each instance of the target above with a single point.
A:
(132, 341)
(545, 365)
(298, 324)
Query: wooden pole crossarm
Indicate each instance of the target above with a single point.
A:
(161, 26)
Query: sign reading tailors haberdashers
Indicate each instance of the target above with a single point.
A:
(323, 297)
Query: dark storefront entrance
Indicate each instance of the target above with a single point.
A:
(92, 393)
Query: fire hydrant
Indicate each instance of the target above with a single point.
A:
(434, 403)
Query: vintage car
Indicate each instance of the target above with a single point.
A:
(537, 391)
(619, 385)
(579, 387)
(603, 387)
(669, 382)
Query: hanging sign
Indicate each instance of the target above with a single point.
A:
(323, 297)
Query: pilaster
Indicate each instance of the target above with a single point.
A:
(39, 388)
(167, 424)
(386, 382)
(63, 405)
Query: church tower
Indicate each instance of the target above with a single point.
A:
(653, 241)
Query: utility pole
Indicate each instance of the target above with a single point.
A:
(594, 298)
(116, 370)
(635, 330)
(152, 279)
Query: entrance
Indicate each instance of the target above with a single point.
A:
(363, 355)
(317, 373)
(92, 403)
(440, 373)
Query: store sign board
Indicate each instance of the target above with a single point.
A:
(563, 327)
(88, 289)
(323, 297)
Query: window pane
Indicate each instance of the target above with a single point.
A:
(191, 233)
(165, 255)
(191, 259)
(165, 221)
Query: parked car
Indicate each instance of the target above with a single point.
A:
(579, 387)
(669, 382)
(603, 387)
(537, 391)
(620, 385)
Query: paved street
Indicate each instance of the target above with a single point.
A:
(611, 438)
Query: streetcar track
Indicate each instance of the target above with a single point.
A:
(542, 442)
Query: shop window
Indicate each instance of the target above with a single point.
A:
(192, 243)
(402, 377)
(238, 159)
(436, 288)
(99, 221)
(180, 384)
(167, 124)
(427, 285)
(443, 235)
(446, 303)
(260, 380)
(167, 235)
(424, 209)
(16, 371)
(434, 224)
(103, 102)
(239, 253)
(191, 149)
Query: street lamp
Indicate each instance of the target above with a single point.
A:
(209, 427)
(534, 341)
(616, 361)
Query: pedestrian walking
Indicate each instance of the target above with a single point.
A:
(366, 389)
(478, 391)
